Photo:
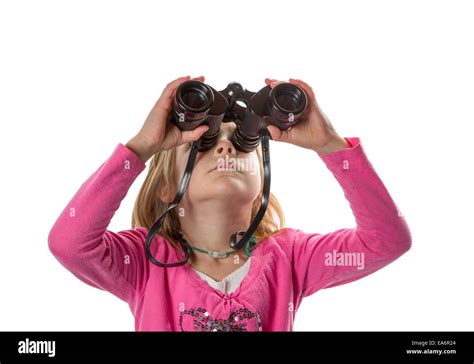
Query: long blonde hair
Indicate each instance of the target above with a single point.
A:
(161, 174)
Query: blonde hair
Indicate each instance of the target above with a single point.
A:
(162, 175)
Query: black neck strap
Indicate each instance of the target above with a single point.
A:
(246, 236)
(235, 243)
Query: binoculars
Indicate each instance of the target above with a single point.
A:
(197, 103)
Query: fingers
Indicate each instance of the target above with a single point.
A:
(193, 135)
(277, 134)
(272, 82)
(171, 87)
(268, 81)
(274, 132)
(164, 104)
(167, 96)
(306, 88)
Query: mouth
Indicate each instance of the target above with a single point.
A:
(222, 169)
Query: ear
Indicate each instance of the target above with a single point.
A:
(164, 194)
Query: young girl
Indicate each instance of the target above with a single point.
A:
(257, 292)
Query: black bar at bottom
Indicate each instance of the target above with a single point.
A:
(448, 347)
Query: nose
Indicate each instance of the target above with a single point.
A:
(224, 146)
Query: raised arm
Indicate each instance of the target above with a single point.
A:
(381, 234)
(79, 239)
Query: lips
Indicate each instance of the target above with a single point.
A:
(215, 166)
(225, 166)
(224, 169)
(221, 167)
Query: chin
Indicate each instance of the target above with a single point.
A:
(225, 186)
(230, 187)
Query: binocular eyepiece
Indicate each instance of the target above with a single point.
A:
(197, 103)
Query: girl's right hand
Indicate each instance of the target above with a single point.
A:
(158, 132)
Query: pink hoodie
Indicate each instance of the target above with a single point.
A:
(285, 267)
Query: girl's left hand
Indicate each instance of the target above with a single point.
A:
(313, 130)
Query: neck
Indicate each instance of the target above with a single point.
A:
(210, 226)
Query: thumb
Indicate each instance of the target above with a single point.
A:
(193, 135)
(276, 133)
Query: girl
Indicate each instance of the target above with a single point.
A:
(260, 291)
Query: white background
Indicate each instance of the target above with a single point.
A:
(78, 77)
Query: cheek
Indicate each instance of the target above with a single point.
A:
(181, 160)
(254, 184)
(254, 177)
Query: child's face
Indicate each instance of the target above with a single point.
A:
(222, 173)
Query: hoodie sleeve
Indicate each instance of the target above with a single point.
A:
(381, 234)
(79, 239)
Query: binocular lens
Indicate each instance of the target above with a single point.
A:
(287, 102)
(193, 100)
